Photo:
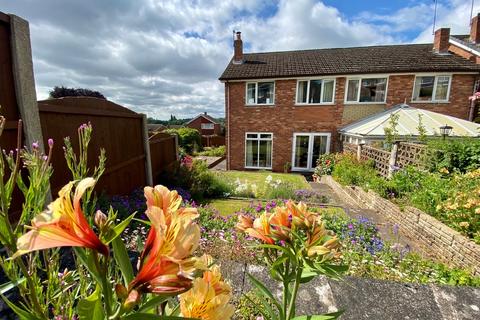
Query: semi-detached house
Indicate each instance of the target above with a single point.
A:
(284, 109)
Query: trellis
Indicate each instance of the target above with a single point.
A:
(380, 158)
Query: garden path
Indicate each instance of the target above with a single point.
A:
(387, 230)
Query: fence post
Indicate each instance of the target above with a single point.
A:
(146, 145)
(393, 159)
(177, 156)
(359, 151)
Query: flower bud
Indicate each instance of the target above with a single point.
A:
(100, 219)
(50, 142)
(121, 291)
(132, 300)
(35, 145)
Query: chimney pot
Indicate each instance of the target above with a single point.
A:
(441, 41)
(205, 113)
(238, 49)
(475, 29)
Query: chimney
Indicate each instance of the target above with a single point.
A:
(205, 113)
(475, 29)
(441, 42)
(238, 49)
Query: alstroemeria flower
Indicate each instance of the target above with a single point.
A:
(165, 263)
(208, 298)
(63, 224)
(261, 229)
(320, 242)
(300, 214)
(281, 223)
(244, 223)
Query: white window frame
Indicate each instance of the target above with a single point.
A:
(311, 135)
(360, 78)
(258, 139)
(434, 92)
(256, 93)
(321, 93)
(211, 126)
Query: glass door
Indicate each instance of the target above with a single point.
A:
(307, 148)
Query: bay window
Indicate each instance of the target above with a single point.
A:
(366, 90)
(260, 93)
(431, 88)
(315, 91)
(258, 150)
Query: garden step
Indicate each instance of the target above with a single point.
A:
(362, 298)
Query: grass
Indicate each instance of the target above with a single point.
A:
(258, 177)
(228, 206)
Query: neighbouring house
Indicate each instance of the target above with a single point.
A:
(155, 127)
(209, 128)
(286, 108)
(409, 120)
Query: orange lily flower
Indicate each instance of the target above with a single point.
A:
(165, 263)
(320, 242)
(244, 223)
(281, 223)
(208, 298)
(63, 224)
(261, 229)
(300, 214)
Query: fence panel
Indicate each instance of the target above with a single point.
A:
(411, 154)
(116, 129)
(213, 141)
(163, 153)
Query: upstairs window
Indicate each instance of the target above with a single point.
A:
(315, 91)
(366, 90)
(260, 93)
(207, 126)
(431, 88)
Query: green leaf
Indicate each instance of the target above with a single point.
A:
(143, 221)
(91, 306)
(155, 301)
(121, 257)
(149, 316)
(326, 316)
(265, 292)
(87, 261)
(118, 229)
(268, 314)
(21, 313)
(289, 253)
(4, 288)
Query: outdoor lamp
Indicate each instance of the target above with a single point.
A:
(445, 131)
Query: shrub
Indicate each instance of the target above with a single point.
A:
(188, 138)
(325, 164)
(212, 152)
(454, 154)
(205, 183)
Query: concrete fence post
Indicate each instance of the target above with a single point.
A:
(359, 151)
(146, 145)
(177, 155)
(393, 159)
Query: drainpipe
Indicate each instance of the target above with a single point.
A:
(227, 112)
(471, 114)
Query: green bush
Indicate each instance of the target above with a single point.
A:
(205, 184)
(212, 152)
(189, 139)
(454, 154)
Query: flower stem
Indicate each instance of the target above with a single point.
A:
(103, 272)
(293, 297)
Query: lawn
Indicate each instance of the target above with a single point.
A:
(259, 177)
(227, 207)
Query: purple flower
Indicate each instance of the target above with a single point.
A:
(35, 145)
(50, 142)
(350, 226)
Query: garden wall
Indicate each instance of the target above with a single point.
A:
(435, 238)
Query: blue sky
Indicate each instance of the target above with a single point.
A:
(164, 57)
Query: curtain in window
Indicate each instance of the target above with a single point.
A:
(251, 153)
(265, 92)
(251, 93)
(327, 91)
(315, 91)
(302, 91)
(352, 90)
(442, 88)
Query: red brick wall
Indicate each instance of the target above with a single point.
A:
(285, 118)
(463, 53)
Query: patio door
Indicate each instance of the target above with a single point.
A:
(307, 148)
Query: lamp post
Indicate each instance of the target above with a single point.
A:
(445, 131)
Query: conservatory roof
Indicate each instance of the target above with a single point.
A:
(408, 120)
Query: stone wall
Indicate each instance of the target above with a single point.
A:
(436, 239)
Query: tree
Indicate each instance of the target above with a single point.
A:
(59, 92)
(189, 139)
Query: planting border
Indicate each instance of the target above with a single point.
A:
(433, 237)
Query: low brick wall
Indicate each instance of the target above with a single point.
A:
(435, 238)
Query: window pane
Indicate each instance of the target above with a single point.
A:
(266, 136)
(327, 91)
(373, 90)
(252, 135)
(265, 155)
(352, 90)
(423, 88)
(251, 93)
(442, 88)
(319, 148)
(301, 151)
(315, 91)
(252, 153)
(265, 92)
(302, 92)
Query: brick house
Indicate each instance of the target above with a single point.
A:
(284, 109)
(206, 125)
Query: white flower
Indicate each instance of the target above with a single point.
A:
(268, 179)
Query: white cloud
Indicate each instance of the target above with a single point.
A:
(164, 57)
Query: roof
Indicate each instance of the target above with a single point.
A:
(357, 60)
(408, 121)
(464, 39)
(206, 116)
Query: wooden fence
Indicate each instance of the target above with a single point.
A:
(213, 141)
(163, 152)
(386, 162)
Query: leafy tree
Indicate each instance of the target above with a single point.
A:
(422, 131)
(391, 132)
(59, 92)
(188, 138)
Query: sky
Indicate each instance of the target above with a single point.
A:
(165, 57)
